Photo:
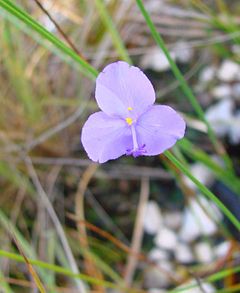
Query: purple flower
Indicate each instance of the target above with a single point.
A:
(129, 123)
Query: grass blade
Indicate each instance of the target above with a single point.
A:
(19, 17)
(200, 156)
(30, 267)
(60, 270)
(203, 189)
(186, 89)
(101, 6)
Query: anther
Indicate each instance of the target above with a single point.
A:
(129, 120)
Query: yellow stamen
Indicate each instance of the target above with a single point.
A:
(130, 108)
(129, 120)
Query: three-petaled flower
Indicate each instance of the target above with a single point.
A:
(129, 123)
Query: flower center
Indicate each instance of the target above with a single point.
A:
(129, 121)
(130, 108)
(136, 150)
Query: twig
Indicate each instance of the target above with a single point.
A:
(147, 50)
(121, 245)
(102, 52)
(46, 202)
(115, 171)
(24, 283)
(90, 266)
(175, 84)
(105, 217)
(62, 33)
(59, 127)
(138, 232)
(198, 281)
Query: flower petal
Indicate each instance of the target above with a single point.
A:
(159, 128)
(120, 87)
(105, 138)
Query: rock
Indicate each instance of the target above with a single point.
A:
(183, 254)
(155, 278)
(182, 52)
(157, 254)
(166, 266)
(190, 229)
(172, 220)
(219, 115)
(223, 121)
(196, 222)
(234, 129)
(204, 253)
(208, 288)
(152, 218)
(222, 249)
(229, 71)
(236, 91)
(166, 239)
(155, 290)
(156, 60)
(207, 74)
(236, 49)
(222, 91)
(202, 173)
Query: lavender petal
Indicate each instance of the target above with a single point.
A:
(159, 128)
(120, 87)
(105, 138)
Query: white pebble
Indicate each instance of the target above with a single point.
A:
(152, 221)
(222, 91)
(190, 229)
(207, 74)
(236, 49)
(208, 288)
(228, 71)
(202, 173)
(222, 249)
(154, 278)
(157, 254)
(196, 222)
(155, 290)
(234, 129)
(172, 220)
(204, 253)
(183, 52)
(166, 239)
(183, 254)
(156, 60)
(219, 115)
(236, 91)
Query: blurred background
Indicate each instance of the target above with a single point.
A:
(132, 225)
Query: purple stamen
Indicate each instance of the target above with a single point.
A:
(136, 152)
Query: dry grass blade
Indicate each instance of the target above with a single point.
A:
(53, 216)
(66, 38)
(29, 266)
(119, 244)
(137, 233)
(54, 130)
(27, 284)
(90, 266)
